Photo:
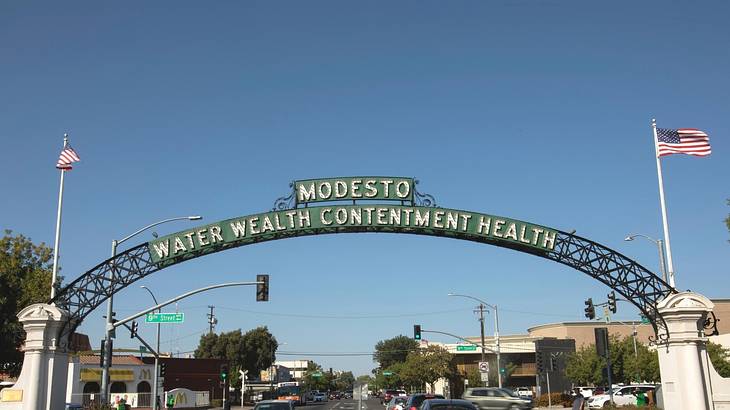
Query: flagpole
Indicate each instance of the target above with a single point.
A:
(670, 265)
(58, 227)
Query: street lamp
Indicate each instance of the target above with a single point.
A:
(157, 349)
(496, 330)
(660, 245)
(109, 307)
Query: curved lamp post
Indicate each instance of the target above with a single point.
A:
(157, 349)
(109, 320)
(660, 246)
(496, 329)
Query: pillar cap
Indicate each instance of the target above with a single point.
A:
(686, 301)
(41, 311)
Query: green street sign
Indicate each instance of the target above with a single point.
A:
(164, 317)
(387, 373)
(645, 320)
(466, 348)
(318, 374)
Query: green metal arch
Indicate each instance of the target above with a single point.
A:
(628, 278)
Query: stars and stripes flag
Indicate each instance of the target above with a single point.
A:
(68, 156)
(688, 141)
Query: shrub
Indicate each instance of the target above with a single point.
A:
(557, 398)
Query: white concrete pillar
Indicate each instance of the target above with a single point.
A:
(42, 381)
(681, 355)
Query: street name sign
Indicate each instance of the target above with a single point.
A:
(466, 348)
(164, 317)
(318, 374)
(386, 373)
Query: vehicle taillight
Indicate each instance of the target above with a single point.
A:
(413, 408)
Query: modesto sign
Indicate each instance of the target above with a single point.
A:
(399, 215)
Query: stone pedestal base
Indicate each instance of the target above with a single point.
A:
(42, 381)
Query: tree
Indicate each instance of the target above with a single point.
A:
(260, 348)
(395, 350)
(719, 358)
(425, 366)
(25, 278)
(316, 379)
(586, 367)
(252, 351)
(344, 381)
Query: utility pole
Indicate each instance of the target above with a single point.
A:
(481, 320)
(211, 319)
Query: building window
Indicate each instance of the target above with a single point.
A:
(118, 387)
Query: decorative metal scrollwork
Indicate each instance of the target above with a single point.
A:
(285, 202)
(423, 199)
(711, 323)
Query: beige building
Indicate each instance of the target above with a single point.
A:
(583, 333)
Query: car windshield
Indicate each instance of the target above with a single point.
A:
(399, 400)
(272, 406)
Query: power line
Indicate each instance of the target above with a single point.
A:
(344, 317)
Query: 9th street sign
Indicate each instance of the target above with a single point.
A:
(164, 317)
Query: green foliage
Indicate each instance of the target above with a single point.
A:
(25, 278)
(719, 358)
(556, 399)
(343, 382)
(316, 383)
(585, 367)
(253, 351)
(425, 366)
(394, 350)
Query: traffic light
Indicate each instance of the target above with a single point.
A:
(590, 309)
(163, 369)
(417, 332)
(102, 353)
(552, 366)
(539, 363)
(612, 302)
(262, 289)
(133, 329)
(224, 372)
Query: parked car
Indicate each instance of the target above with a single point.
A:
(389, 394)
(444, 404)
(274, 405)
(621, 395)
(397, 403)
(415, 401)
(524, 392)
(489, 398)
(584, 391)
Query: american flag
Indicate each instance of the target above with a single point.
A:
(688, 141)
(68, 156)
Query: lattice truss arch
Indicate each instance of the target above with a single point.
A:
(628, 278)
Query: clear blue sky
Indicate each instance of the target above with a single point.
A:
(535, 110)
